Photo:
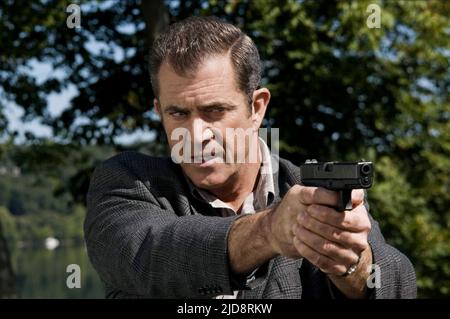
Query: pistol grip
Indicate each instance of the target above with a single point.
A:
(344, 200)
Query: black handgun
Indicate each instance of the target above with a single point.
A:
(340, 177)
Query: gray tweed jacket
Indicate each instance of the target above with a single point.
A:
(147, 237)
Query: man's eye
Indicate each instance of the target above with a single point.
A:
(215, 110)
(178, 114)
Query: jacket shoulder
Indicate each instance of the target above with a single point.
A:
(289, 172)
(141, 165)
(135, 173)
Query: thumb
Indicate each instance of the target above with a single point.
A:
(357, 197)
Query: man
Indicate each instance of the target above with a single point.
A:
(200, 226)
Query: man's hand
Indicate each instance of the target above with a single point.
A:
(304, 225)
(259, 237)
(334, 241)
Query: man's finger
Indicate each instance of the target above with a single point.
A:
(357, 197)
(354, 241)
(325, 247)
(317, 195)
(354, 220)
(324, 263)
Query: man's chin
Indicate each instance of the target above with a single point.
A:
(205, 177)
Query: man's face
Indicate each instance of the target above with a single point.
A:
(205, 105)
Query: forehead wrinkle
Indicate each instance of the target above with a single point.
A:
(202, 91)
(201, 95)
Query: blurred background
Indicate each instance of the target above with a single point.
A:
(342, 89)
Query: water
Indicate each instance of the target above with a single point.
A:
(41, 273)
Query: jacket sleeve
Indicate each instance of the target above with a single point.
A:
(142, 248)
(397, 278)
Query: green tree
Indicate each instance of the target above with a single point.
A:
(104, 60)
(7, 284)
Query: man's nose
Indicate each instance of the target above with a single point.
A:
(201, 133)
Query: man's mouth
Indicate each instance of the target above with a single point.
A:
(204, 160)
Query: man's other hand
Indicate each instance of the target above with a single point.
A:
(331, 240)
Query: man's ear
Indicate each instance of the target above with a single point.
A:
(261, 98)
